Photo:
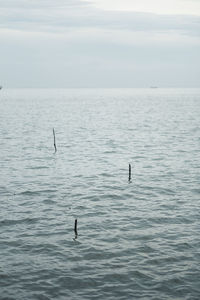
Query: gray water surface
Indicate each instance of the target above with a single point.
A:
(136, 240)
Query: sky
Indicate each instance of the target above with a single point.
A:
(99, 43)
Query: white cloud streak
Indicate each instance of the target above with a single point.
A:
(178, 7)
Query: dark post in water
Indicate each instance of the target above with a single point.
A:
(129, 173)
(75, 229)
(54, 137)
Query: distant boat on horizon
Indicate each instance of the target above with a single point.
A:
(153, 87)
(1, 87)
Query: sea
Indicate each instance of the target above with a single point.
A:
(138, 232)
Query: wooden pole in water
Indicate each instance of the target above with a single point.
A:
(129, 173)
(54, 138)
(75, 228)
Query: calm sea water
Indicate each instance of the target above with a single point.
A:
(136, 240)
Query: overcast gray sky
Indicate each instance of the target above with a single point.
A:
(99, 43)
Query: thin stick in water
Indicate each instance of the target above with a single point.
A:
(54, 137)
(129, 173)
(75, 229)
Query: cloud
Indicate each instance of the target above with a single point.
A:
(71, 43)
(63, 16)
(31, 4)
(178, 7)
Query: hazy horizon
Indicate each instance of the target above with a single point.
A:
(93, 88)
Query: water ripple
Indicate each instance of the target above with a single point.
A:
(136, 240)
